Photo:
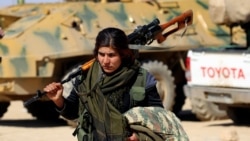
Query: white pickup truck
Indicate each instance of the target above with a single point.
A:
(218, 82)
(218, 78)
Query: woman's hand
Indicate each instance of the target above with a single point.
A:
(54, 92)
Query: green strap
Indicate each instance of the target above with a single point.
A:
(137, 91)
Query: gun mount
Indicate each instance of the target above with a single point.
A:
(44, 42)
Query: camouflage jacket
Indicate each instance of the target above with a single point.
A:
(155, 123)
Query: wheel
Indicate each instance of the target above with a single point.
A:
(207, 111)
(43, 110)
(3, 107)
(165, 82)
(239, 115)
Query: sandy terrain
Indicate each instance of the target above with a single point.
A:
(18, 125)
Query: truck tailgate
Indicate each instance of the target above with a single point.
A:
(219, 69)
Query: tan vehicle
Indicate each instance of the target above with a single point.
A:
(219, 76)
(44, 42)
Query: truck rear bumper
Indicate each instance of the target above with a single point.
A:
(218, 94)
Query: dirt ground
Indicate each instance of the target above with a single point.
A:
(18, 125)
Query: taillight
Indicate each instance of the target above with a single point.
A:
(187, 72)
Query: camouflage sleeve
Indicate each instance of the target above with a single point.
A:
(161, 122)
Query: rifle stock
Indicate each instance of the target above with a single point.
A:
(183, 20)
(87, 65)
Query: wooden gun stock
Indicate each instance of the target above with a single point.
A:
(183, 20)
(87, 65)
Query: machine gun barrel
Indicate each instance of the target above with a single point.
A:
(142, 35)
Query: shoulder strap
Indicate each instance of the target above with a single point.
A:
(137, 91)
(141, 78)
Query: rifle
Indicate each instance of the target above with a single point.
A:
(142, 35)
(146, 34)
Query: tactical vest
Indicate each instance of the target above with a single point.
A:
(85, 129)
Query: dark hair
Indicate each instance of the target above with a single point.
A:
(116, 39)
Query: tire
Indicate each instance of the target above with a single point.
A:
(3, 108)
(239, 115)
(207, 111)
(165, 82)
(43, 110)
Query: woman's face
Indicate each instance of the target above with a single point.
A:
(109, 59)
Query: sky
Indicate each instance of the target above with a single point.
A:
(4, 3)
